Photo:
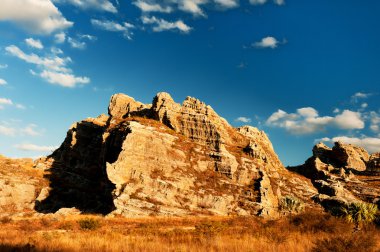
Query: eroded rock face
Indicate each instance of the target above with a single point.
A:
(19, 186)
(168, 159)
(350, 156)
(342, 174)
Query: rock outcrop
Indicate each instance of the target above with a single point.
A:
(20, 184)
(168, 159)
(342, 174)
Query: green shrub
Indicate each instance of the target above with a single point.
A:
(359, 213)
(291, 204)
(89, 224)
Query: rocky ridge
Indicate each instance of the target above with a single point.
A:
(167, 158)
(173, 159)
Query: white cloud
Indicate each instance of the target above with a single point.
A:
(88, 37)
(56, 50)
(307, 112)
(371, 144)
(279, 2)
(145, 6)
(349, 120)
(307, 121)
(163, 25)
(30, 130)
(243, 119)
(101, 5)
(7, 131)
(54, 63)
(20, 106)
(257, 2)
(3, 66)
(76, 43)
(360, 95)
(60, 37)
(114, 27)
(63, 79)
(192, 6)
(375, 122)
(35, 43)
(3, 82)
(5, 101)
(227, 4)
(36, 16)
(14, 128)
(267, 42)
(55, 70)
(336, 111)
(33, 147)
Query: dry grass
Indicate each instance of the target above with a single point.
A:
(306, 232)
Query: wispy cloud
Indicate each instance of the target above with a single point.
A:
(34, 43)
(145, 6)
(76, 43)
(3, 82)
(227, 4)
(124, 28)
(261, 2)
(6, 101)
(63, 79)
(243, 119)
(3, 66)
(192, 6)
(15, 128)
(360, 96)
(100, 5)
(375, 121)
(34, 147)
(60, 37)
(54, 69)
(163, 25)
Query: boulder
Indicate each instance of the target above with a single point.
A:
(350, 156)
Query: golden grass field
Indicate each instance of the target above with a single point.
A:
(305, 232)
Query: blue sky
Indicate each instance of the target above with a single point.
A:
(302, 71)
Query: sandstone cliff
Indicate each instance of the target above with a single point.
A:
(166, 158)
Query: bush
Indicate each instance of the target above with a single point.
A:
(89, 224)
(359, 213)
(291, 204)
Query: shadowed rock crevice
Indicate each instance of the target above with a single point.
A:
(78, 175)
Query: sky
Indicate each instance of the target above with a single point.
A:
(302, 71)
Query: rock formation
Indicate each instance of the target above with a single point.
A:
(167, 159)
(20, 184)
(342, 174)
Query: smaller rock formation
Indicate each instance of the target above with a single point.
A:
(342, 174)
(20, 184)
